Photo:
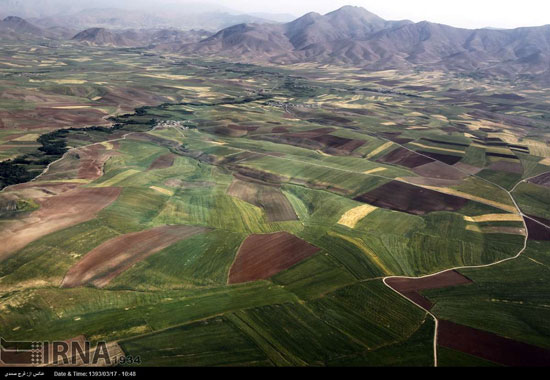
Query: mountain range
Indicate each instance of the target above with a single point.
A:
(350, 36)
(131, 14)
(354, 36)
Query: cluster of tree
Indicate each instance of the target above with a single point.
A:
(12, 174)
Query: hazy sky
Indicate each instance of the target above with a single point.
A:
(462, 13)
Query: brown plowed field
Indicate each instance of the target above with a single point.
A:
(394, 136)
(56, 213)
(279, 130)
(117, 255)
(92, 160)
(406, 158)
(225, 131)
(339, 143)
(472, 170)
(163, 162)
(508, 167)
(491, 347)
(312, 133)
(542, 180)
(445, 158)
(269, 198)
(537, 231)
(263, 256)
(410, 288)
(411, 199)
(439, 170)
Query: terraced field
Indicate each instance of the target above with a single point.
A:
(223, 214)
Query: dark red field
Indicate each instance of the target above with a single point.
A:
(537, 231)
(411, 288)
(446, 158)
(110, 259)
(491, 347)
(406, 158)
(394, 136)
(399, 196)
(163, 162)
(263, 256)
(542, 180)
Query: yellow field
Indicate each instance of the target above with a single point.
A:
(74, 180)
(69, 81)
(379, 149)
(355, 215)
(440, 117)
(545, 161)
(373, 171)
(118, 178)
(107, 145)
(166, 76)
(494, 218)
(28, 138)
(71, 107)
(437, 148)
(538, 148)
(163, 191)
(473, 228)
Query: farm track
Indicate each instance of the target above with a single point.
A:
(385, 279)
(510, 194)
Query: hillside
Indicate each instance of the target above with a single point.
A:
(137, 38)
(352, 35)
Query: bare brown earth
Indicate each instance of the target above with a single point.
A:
(263, 256)
(439, 170)
(542, 180)
(509, 167)
(317, 139)
(92, 160)
(435, 182)
(56, 213)
(406, 158)
(117, 255)
(491, 347)
(279, 130)
(83, 163)
(536, 230)
(411, 199)
(163, 162)
(471, 170)
(269, 198)
(446, 158)
(411, 288)
(395, 137)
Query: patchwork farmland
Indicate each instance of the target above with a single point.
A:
(295, 212)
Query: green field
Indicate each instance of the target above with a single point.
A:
(179, 131)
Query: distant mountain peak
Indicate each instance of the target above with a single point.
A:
(14, 19)
(353, 11)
